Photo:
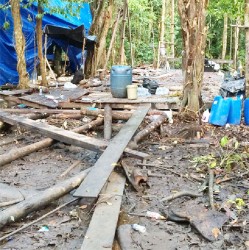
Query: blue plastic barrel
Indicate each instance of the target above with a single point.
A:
(121, 76)
(234, 116)
(246, 111)
(219, 111)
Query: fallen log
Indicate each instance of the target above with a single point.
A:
(116, 115)
(90, 125)
(37, 220)
(26, 150)
(23, 151)
(41, 199)
(151, 127)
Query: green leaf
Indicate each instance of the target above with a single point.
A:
(213, 164)
(224, 141)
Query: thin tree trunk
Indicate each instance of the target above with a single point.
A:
(19, 45)
(161, 43)
(224, 38)
(192, 15)
(99, 63)
(122, 51)
(231, 42)
(97, 17)
(94, 30)
(172, 28)
(247, 46)
(236, 43)
(40, 45)
(112, 39)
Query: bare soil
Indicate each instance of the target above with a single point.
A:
(172, 170)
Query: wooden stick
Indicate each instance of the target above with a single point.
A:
(11, 140)
(90, 125)
(179, 194)
(210, 188)
(116, 115)
(147, 130)
(41, 199)
(108, 122)
(37, 220)
(75, 164)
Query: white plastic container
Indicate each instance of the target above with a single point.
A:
(132, 92)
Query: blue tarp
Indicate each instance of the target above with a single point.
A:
(8, 59)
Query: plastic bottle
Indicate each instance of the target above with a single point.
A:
(205, 116)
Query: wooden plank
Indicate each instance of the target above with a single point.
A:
(14, 92)
(102, 169)
(101, 231)
(63, 135)
(55, 96)
(55, 133)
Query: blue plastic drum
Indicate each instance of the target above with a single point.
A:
(219, 111)
(246, 111)
(234, 116)
(121, 76)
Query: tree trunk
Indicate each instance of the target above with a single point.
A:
(247, 46)
(224, 38)
(231, 42)
(161, 43)
(236, 43)
(192, 15)
(101, 49)
(172, 28)
(122, 50)
(94, 30)
(97, 18)
(39, 33)
(19, 45)
(114, 32)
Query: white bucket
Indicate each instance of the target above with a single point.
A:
(131, 92)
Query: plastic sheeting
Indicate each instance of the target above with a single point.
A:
(8, 59)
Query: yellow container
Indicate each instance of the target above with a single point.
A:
(131, 92)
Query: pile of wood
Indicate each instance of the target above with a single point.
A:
(89, 184)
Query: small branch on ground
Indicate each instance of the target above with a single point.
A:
(180, 194)
(210, 188)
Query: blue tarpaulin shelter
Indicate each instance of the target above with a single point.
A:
(8, 58)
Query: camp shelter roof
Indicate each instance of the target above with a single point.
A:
(8, 58)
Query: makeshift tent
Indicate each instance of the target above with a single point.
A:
(69, 24)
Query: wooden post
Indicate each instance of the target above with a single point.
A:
(108, 122)
(247, 46)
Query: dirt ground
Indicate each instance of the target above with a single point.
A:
(175, 165)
